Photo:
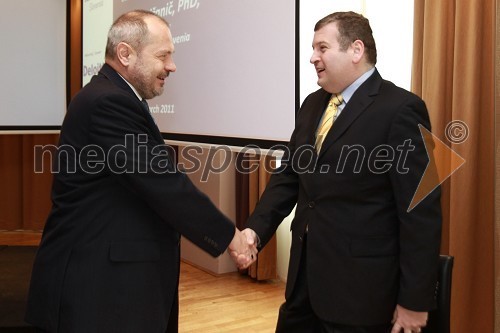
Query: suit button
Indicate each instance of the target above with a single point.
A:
(312, 204)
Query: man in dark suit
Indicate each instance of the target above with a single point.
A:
(359, 259)
(109, 256)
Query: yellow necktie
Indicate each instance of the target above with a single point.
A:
(329, 117)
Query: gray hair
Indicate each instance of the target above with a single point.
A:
(131, 29)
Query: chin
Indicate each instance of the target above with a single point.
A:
(158, 92)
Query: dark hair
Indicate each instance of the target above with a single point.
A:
(131, 29)
(352, 26)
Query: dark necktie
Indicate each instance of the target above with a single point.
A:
(145, 103)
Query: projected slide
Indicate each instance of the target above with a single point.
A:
(235, 64)
(96, 20)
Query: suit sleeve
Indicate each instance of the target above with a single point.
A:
(144, 167)
(420, 227)
(278, 199)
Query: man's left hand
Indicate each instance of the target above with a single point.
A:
(408, 321)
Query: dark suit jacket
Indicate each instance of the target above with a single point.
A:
(365, 252)
(109, 256)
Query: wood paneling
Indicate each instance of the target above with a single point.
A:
(497, 169)
(21, 238)
(36, 186)
(11, 213)
(74, 59)
(24, 195)
(265, 266)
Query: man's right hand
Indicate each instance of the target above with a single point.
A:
(243, 249)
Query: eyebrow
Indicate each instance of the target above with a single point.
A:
(165, 52)
(320, 42)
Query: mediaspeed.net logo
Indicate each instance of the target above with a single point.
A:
(92, 159)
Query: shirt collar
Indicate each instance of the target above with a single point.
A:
(349, 91)
(132, 87)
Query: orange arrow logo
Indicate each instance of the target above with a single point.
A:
(443, 162)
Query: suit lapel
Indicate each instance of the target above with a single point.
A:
(316, 110)
(114, 77)
(359, 103)
(152, 123)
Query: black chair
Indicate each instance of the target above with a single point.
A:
(439, 319)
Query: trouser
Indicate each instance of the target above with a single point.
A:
(297, 316)
(173, 322)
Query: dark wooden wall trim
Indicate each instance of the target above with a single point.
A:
(11, 213)
(74, 43)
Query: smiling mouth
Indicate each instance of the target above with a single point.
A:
(163, 76)
(319, 70)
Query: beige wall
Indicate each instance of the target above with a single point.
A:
(220, 188)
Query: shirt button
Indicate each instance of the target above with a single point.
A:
(312, 204)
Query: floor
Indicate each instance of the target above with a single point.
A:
(231, 302)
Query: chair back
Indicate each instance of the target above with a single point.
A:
(439, 319)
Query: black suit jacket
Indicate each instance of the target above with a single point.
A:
(365, 251)
(109, 256)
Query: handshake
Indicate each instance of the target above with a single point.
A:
(243, 248)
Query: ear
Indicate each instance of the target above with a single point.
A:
(358, 49)
(124, 53)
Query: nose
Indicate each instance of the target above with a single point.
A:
(314, 58)
(170, 66)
